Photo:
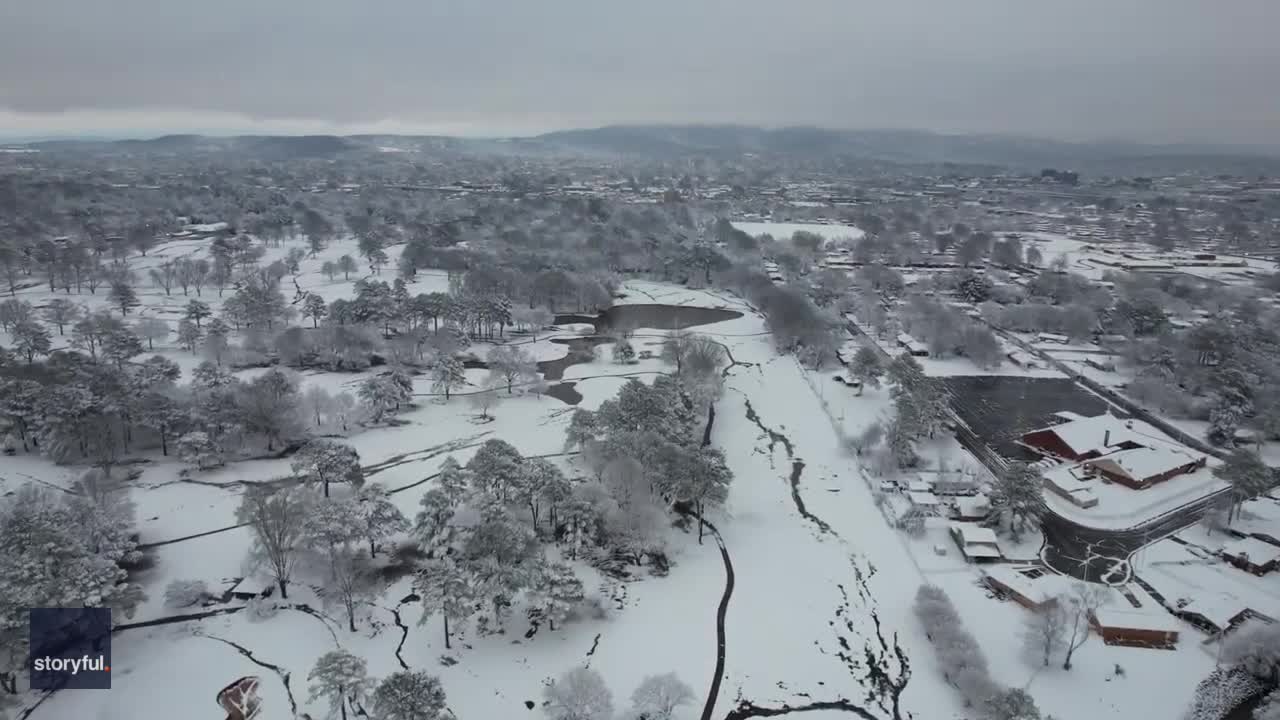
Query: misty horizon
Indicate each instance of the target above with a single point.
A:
(1178, 71)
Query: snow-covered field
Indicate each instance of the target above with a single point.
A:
(783, 231)
(819, 610)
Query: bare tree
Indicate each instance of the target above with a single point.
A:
(1084, 600)
(277, 519)
(1045, 628)
(483, 401)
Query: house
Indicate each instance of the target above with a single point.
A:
(1135, 627)
(977, 544)
(253, 587)
(925, 502)
(1214, 613)
(920, 485)
(1030, 586)
(1142, 467)
(1253, 555)
(912, 346)
(1022, 360)
(1080, 438)
(1129, 452)
(956, 486)
(1103, 363)
(971, 508)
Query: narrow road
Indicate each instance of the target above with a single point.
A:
(714, 693)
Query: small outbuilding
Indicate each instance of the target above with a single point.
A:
(977, 544)
(1135, 627)
(1256, 556)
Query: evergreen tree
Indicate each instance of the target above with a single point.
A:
(446, 590)
(123, 296)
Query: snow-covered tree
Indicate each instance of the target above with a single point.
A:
(152, 329)
(702, 479)
(483, 401)
(215, 340)
(503, 555)
(382, 394)
(1017, 498)
(277, 519)
(314, 307)
(1044, 631)
(580, 694)
(347, 265)
(409, 695)
(123, 296)
(454, 480)
(379, 517)
(559, 590)
(61, 312)
(189, 335)
(317, 402)
(120, 344)
(447, 590)
(583, 425)
(185, 593)
(433, 519)
(1013, 704)
(1247, 473)
(658, 697)
(1255, 648)
(623, 352)
(1084, 599)
(495, 469)
(535, 476)
(329, 269)
(340, 680)
(866, 368)
(326, 462)
(53, 560)
(31, 339)
(351, 580)
(198, 449)
(906, 374)
(447, 374)
(269, 404)
(510, 364)
(197, 311)
(330, 522)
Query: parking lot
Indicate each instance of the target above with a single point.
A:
(1000, 409)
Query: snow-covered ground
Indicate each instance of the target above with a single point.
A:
(1086, 258)
(820, 608)
(783, 231)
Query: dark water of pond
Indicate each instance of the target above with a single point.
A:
(582, 349)
(565, 392)
(655, 316)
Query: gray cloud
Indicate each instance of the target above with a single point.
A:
(1155, 70)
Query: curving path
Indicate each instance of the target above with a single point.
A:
(721, 611)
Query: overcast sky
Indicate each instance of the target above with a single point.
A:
(1152, 70)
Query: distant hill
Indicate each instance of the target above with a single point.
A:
(910, 146)
(904, 147)
(270, 147)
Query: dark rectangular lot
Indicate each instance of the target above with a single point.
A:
(1001, 409)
